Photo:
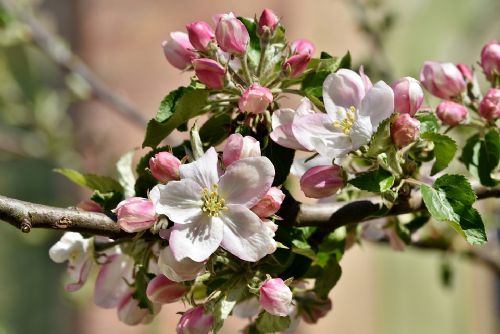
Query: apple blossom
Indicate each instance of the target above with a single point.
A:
(276, 297)
(267, 22)
(443, 80)
(302, 46)
(178, 50)
(209, 72)
(164, 166)
(195, 321)
(200, 35)
(255, 99)
(111, 282)
(352, 115)
(135, 214)
(178, 271)
(322, 181)
(490, 59)
(451, 113)
(231, 34)
(404, 130)
(489, 107)
(209, 211)
(238, 147)
(270, 203)
(164, 291)
(78, 252)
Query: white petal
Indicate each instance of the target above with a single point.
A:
(300, 166)
(361, 131)
(110, 285)
(282, 116)
(178, 271)
(70, 242)
(305, 107)
(244, 234)
(197, 240)
(203, 171)
(180, 200)
(333, 147)
(344, 88)
(246, 181)
(317, 125)
(283, 135)
(378, 104)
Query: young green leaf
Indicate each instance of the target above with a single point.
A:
(215, 129)
(268, 323)
(444, 150)
(428, 122)
(381, 140)
(327, 278)
(377, 181)
(100, 183)
(489, 157)
(125, 174)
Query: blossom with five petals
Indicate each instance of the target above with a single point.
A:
(354, 109)
(209, 210)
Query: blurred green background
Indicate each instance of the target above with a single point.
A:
(47, 121)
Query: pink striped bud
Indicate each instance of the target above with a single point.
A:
(276, 297)
(195, 321)
(238, 147)
(322, 181)
(209, 72)
(302, 46)
(404, 130)
(231, 34)
(296, 64)
(135, 214)
(466, 72)
(200, 35)
(408, 96)
(164, 291)
(178, 50)
(129, 311)
(270, 203)
(490, 59)
(451, 113)
(490, 105)
(164, 166)
(443, 80)
(255, 99)
(267, 22)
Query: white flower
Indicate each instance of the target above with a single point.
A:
(354, 110)
(78, 252)
(209, 211)
(111, 284)
(178, 271)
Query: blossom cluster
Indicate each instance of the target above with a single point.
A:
(209, 222)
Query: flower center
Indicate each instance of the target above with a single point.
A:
(346, 124)
(212, 202)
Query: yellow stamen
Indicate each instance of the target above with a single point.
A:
(346, 124)
(212, 202)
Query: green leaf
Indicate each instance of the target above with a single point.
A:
(176, 109)
(225, 305)
(346, 61)
(215, 130)
(444, 150)
(327, 278)
(282, 159)
(470, 155)
(268, 323)
(125, 174)
(108, 201)
(377, 181)
(450, 200)
(100, 183)
(253, 49)
(428, 122)
(489, 157)
(312, 84)
(381, 140)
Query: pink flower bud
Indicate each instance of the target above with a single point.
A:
(209, 72)
(267, 22)
(490, 105)
(296, 64)
(129, 311)
(231, 34)
(270, 203)
(322, 181)
(178, 50)
(276, 297)
(89, 206)
(466, 72)
(302, 46)
(408, 96)
(238, 147)
(164, 291)
(164, 166)
(443, 80)
(135, 214)
(200, 35)
(312, 308)
(490, 59)
(255, 99)
(404, 130)
(451, 113)
(195, 321)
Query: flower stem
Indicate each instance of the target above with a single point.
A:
(246, 71)
(262, 59)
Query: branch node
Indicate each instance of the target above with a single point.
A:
(63, 223)
(25, 225)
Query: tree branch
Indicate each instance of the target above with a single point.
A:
(58, 51)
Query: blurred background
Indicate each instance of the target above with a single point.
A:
(48, 119)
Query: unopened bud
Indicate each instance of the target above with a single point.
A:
(296, 64)
(443, 80)
(322, 181)
(408, 96)
(270, 203)
(490, 59)
(302, 46)
(238, 147)
(255, 99)
(276, 297)
(164, 166)
(164, 291)
(267, 22)
(490, 105)
(231, 34)
(404, 130)
(178, 50)
(209, 72)
(195, 321)
(200, 35)
(135, 214)
(451, 113)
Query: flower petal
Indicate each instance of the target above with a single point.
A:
(244, 234)
(317, 125)
(305, 107)
(378, 104)
(111, 283)
(344, 88)
(203, 171)
(361, 131)
(180, 200)
(333, 147)
(178, 271)
(246, 181)
(197, 240)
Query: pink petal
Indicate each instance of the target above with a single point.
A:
(110, 285)
(203, 171)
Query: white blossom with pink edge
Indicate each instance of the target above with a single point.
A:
(209, 211)
(111, 283)
(178, 271)
(78, 252)
(353, 113)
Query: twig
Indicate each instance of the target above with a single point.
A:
(66, 60)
